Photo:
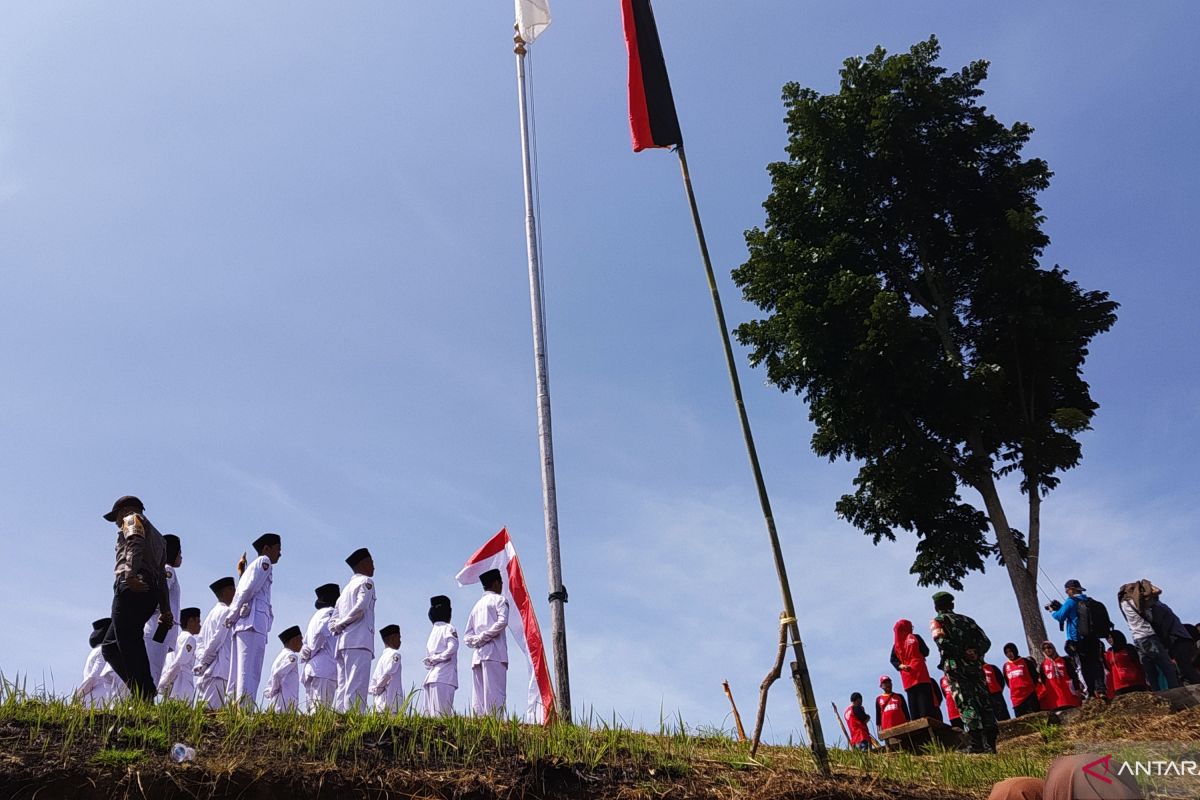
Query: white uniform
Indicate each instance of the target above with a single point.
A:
(157, 651)
(386, 688)
(177, 681)
(283, 687)
(353, 624)
(96, 690)
(441, 659)
(251, 617)
(485, 633)
(211, 667)
(318, 661)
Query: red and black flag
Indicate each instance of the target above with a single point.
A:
(652, 116)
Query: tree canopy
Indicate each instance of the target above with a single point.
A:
(899, 274)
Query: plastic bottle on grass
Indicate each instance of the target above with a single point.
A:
(180, 753)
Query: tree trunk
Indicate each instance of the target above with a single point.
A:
(1024, 585)
(1035, 531)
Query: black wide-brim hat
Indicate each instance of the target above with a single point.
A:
(124, 502)
(290, 634)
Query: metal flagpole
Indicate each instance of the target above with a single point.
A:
(558, 593)
(800, 676)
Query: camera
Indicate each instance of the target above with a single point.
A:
(1053, 605)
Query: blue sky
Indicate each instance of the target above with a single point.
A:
(263, 265)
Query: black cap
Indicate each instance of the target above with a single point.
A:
(221, 583)
(123, 502)
(439, 608)
(266, 540)
(102, 624)
(1074, 584)
(97, 636)
(327, 594)
(187, 613)
(439, 600)
(388, 630)
(488, 577)
(357, 556)
(172, 543)
(290, 634)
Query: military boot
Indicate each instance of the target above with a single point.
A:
(989, 739)
(973, 743)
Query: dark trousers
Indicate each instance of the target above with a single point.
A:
(124, 645)
(999, 706)
(921, 702)
(1184, 653)
(1090, 654)
(1028, 706)
(1156, 661)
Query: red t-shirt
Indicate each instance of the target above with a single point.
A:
(1021, 683)
(1124, 669)
(1060, 693)
(859, 732)
(891, 710)
(951, 709)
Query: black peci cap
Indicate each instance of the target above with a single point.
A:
(327, 594)
(124, 502)
(439, 600)
(388, 630)
(439, 608)
(266, 540)
(221, 583)
(290, 633)
(357, 556)
(187, 613)
(489, 576)
(172, 543)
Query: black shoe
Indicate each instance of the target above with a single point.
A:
(989, 739)
(974, 743)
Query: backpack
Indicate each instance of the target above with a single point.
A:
(1092, 621)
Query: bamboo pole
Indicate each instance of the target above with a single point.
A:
(558, 593)
(800, 675)
(737, 718)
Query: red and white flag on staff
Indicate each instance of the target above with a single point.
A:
(500, 554)
(533, 17)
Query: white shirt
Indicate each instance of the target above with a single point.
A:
(251, 606)
(173, 597)
(283, 687)
(177, 670)
(485, 629)
(354, 619)
(317, 656)
(441, 655)
(212, 648)
(385, 684)
(1138, 626)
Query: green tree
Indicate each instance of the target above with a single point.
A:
(899, 274)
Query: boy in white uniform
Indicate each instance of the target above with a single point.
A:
(283, 686)
(441, 660)
(177, 681)
(386, 688)
(485, 634)
(318, 662)
(157, 652)
(96, 690)
(353, 624)
(250, 617)
(212, 648)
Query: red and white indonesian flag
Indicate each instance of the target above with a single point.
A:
(533, 17)
(500, 554)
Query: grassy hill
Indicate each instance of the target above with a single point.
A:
(50, 748)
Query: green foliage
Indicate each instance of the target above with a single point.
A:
(899, 272)
(116, 758)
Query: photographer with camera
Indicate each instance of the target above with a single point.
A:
(1087, 623)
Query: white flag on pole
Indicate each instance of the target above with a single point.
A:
(533, 17)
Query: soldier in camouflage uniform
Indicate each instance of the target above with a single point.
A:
(962, 645)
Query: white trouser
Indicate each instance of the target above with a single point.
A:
(353, 678)
(320, 692)
(391, 699)
(156, 652)
(439, 700)
(489, 690)
(182, 688)
(210, 692)
(250, 647)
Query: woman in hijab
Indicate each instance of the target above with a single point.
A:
(1060, 693)
(1125, 673)
(908, 656)
(1018, 789)
(1089, 777)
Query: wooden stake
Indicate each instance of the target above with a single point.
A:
(737, 718)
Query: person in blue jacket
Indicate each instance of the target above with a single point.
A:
(1089, 649)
